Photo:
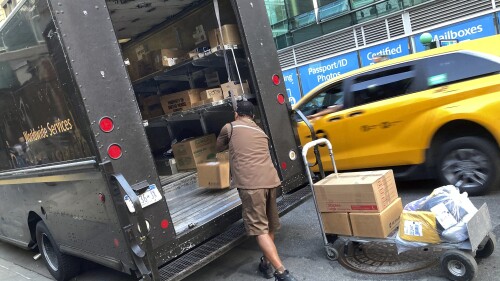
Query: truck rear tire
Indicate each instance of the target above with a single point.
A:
(62, 267)
(470, 163)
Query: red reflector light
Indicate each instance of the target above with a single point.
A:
(102, 198)
(281, 98)
(283, 165)
(114, 151)
(106, 124)
(164, 224)
(276, 79)
(116, 242)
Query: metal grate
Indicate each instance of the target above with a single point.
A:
(396, 27)
(359, 37)
(443, 11)
(374, 32)
(207, 252)
(327, 45)
(286, 58)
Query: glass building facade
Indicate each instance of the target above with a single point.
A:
(295, 21)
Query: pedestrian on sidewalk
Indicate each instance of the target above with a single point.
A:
(256, 179)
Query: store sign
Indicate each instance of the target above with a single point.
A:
(292, 85)
(390, 50)
(468, 30)
(313, 74)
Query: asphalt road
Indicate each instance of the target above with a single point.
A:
(300, 246)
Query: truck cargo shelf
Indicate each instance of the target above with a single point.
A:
(191, 206)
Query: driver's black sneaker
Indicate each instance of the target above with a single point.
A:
(285, 276)
(266, 268)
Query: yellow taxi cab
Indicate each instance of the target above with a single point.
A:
(434, 114)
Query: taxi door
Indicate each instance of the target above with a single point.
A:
(385, 117)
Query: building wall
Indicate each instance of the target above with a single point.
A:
(307, 64)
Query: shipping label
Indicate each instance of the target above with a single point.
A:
(413, 228)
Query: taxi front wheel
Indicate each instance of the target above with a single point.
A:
(470, 163)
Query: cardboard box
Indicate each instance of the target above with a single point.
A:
(166, 57)
(235, 89)
(361, 192)
(377, 225)
(215, 94)
(212, 79)
(336, 223)
(198, 103)
(213, 39)
(223, 156)
(191, 152)
(419, 226)
(180, 101)
(150, 101)
(231, 35)
(213, 175)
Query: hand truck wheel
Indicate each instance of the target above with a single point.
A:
(487, 249)
(458, 265)
(332, 253)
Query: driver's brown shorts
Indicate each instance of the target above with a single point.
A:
(260, 211)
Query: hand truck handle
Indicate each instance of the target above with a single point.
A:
(314, 143)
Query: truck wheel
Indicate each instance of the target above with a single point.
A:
(63, 267)
(458, 265)
(488, 248)
(470, 163)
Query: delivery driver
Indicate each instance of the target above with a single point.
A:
(256, 178)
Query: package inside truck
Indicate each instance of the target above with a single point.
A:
(180, 71)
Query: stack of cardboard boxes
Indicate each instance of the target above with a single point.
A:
(200, 154)
(364, 204)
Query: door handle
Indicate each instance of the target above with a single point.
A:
(356, 113)
(336, 118)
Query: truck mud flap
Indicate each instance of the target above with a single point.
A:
(221, 244)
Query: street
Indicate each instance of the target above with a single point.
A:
(300, 246)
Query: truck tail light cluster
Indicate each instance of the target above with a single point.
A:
(106, 124)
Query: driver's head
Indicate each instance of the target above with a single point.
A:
(245, 108)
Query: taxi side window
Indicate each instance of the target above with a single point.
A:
(383, 85)
(326, 98)
(456, 67)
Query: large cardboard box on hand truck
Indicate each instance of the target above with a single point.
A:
(188, 153)
(377, 225)
(361, 192)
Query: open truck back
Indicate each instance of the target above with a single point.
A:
(74, 143)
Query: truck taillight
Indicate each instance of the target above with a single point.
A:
(164, 224)
(114, 151)
(276, 79)
(283, 165)
(106, 124)
(281, 98)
